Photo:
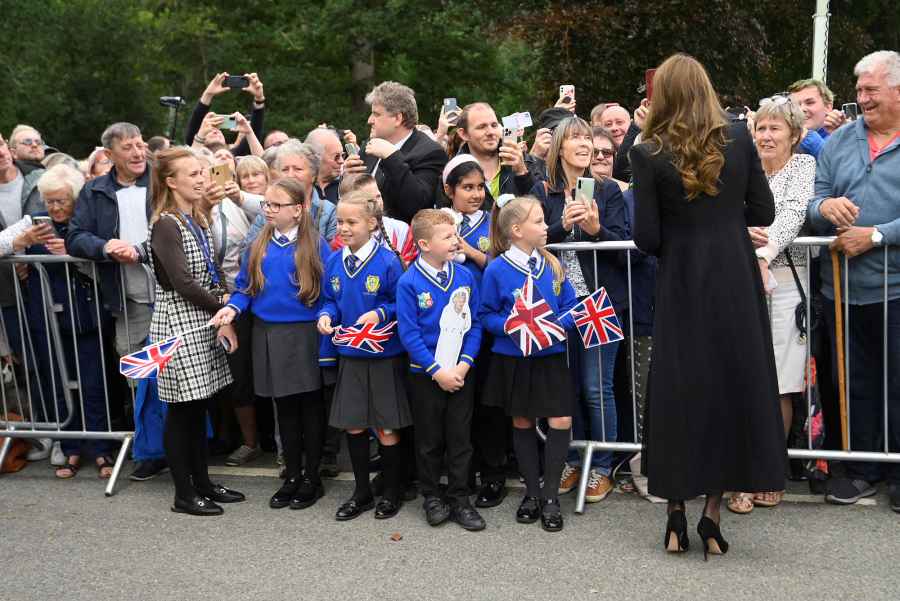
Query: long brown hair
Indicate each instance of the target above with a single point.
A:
(687, 120)
(162, 197)
(568, 127)
(516, 212)
(308, 266)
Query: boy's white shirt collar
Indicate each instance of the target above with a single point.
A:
(364, 251)
(518, 256)
(431, 270)
(474, 217)
(291, 234)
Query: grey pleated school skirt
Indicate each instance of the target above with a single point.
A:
(370, 393)
(285, 358)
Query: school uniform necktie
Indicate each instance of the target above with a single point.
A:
(350, 262)
(442, 277)
(466, 222)
(532, 265)
(283, 240)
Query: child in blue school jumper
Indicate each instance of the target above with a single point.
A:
(280, 282)
(464, 186)
(436, 301)
(539, 385)
(360, 287)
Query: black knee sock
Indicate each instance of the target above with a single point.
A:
(289, 429)
(312, 417)
(393, 469)
(199, 446)
(358, 446)
(555, 450)
(525, 444)
(177, 443)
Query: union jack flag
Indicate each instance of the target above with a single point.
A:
(596, 320)
(531, 323)
(150, 360)
(367, 337)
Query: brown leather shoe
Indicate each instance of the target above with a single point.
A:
(569, 479)
(598, 487)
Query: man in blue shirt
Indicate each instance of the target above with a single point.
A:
(857, 183)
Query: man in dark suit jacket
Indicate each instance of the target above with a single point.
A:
(406, 163)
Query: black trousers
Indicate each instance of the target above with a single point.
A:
(184, 440)
(490, 426)
(443, 423)
(302, 423)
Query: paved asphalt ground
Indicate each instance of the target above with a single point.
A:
(65, 540)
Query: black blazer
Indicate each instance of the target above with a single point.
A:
(409, 179)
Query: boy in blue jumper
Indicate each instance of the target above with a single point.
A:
(436, 302)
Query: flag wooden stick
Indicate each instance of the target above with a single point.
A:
(839, 347)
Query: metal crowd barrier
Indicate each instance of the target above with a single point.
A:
(44, 417)
(808, 244)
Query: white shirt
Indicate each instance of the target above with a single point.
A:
(133, 226)
(291, 235)
(431, 270)
(11, 199)
(229, 228)
(518, 256)
(363, 253)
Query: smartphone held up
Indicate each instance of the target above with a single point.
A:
(236, 82)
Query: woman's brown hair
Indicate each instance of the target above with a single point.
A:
(308, 266)
(568, 127)
(162, 197)
(687, 120)
(516, 212)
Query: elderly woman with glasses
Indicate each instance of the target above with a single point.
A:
(605, 149)
(777, 131)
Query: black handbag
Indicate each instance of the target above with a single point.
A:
(815, 310)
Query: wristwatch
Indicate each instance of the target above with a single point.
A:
(877, 237)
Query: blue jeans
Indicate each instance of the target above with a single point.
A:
(596, 367)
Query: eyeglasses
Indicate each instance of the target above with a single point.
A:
(607, 153)
(31, 142)
(50, 202)
(276, 206)
(776, 100)
(340, 156)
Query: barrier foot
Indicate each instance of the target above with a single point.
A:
(120, 459)
(7, 443)
(585, 476)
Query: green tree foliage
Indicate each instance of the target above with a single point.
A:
(71, 67)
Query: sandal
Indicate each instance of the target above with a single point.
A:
(740, 502)
(69, 466)
(105, 462)
(768, 499)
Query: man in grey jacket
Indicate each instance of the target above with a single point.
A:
(857, 198)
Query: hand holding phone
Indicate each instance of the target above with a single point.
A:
(236, 82)
(851, 111)
(451, 111)
(351, 149)
(567, 90)
(229, 122)
(584, 190)
(221, 174)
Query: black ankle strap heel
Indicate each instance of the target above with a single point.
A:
(712, 539)
(676, 538)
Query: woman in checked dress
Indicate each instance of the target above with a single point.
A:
(189, 291)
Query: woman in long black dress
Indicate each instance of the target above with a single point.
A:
(713, 422)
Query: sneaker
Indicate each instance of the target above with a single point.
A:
(894, 494)
(598, 487)
(57, 458)
(569, 479)
(243, 454)
(847, 491)
(40, 449)
(145, 470)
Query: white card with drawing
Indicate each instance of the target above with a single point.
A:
(456, 320)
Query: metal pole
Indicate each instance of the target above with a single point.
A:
(820, 41)
(120, 459)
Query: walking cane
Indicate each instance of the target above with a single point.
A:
(839, 346)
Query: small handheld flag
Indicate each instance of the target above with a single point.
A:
(150, 360)
(531, 323)
(367, 337)
(596, 320)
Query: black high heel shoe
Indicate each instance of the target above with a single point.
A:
(676, 538)
(712, 538)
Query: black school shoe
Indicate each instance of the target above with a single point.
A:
(145, 470)
(307, 494)
(220, 494)
(551, 516)
(466, 516)
(283, 496)
(529, 510)
(196, 505)
(387, 508)
(436, 511)
(894, 495)
(491, 494)
(353, 508)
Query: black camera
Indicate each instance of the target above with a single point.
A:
(171, 101)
